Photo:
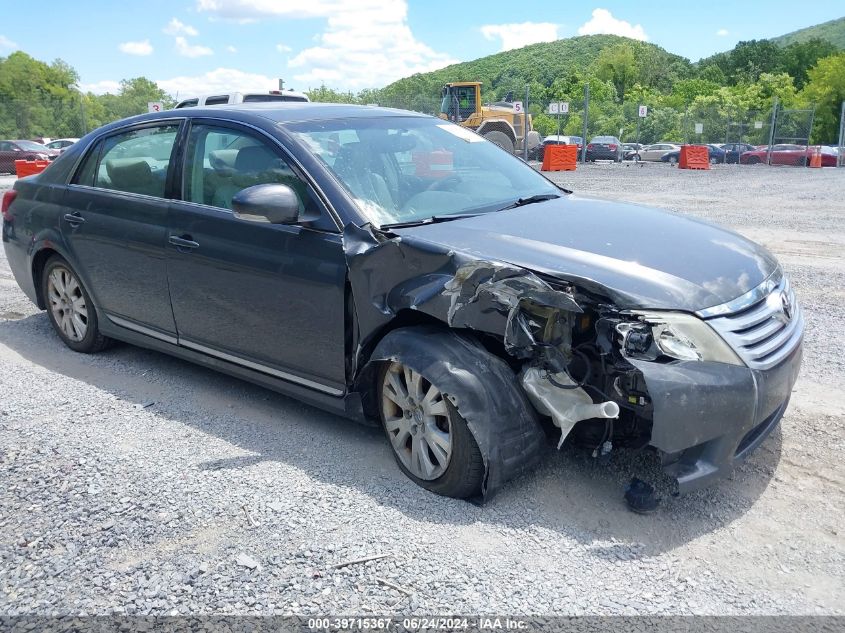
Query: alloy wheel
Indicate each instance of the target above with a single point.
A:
(417, 421)
(67, 303)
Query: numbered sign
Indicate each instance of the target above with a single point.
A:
(758, 125)
(699, 128)
(517, 107)
(155, 106)
(564, 107)
(643, 112)
(554, 108)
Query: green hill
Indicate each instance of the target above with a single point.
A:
(538, 64)
(833, 32)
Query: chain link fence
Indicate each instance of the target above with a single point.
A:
(48, 117)
(631, 122)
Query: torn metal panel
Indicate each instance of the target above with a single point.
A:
(496, 410)
(406, 273)
(565, 402)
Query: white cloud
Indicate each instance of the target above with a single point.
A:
(366, 43)
(136, 48)
(191, 50)
(604, 22)
(101, 87)
(5, 42)
(722, 32)
(220, 80)
(522, 34)
(283, 49)
(177, 27)
(231, 49)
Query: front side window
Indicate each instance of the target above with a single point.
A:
(222, 161)
(406, 169)
(136, 161)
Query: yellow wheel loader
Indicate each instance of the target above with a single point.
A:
(497, 122)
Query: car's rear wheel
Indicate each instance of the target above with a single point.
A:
(753, 160)
(70, 309)
(430, 440)
(673, 160)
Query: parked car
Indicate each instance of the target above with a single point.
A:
(787, 154)
(310, 248)
(656, 151)
(538, 151)
(734, 150)
(61, 143)
(715, 153)
(10, 151)
(241, 97)
(631, 151)
(605, 148)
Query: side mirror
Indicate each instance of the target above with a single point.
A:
(273, 203)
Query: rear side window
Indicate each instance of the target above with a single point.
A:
(218, 100)
(189, 103)
(85, 175)
(137, 161)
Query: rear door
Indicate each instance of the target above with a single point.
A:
(266, 296)
(115, 226)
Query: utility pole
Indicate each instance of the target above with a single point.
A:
(772, 132)
(840, 160)
(809, 134)
(525, 127)
(586, 117)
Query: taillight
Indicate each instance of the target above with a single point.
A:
(613, 147)
(8, 198)
(590, 146)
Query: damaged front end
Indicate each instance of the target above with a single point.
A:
(605, 377)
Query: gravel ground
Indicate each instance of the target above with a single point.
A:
(132, 482)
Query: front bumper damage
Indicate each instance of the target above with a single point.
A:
(707, 417)
(703, 417)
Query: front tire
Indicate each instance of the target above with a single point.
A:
(430, 440)
(70, 309)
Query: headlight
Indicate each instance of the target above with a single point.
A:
(674, 334)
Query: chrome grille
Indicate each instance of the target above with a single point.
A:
(764, 331)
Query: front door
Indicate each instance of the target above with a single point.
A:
(269, 297)
(114, 227)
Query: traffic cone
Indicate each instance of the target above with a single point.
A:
(816, 159)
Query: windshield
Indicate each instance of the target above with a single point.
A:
(402, 169)
(30, 146)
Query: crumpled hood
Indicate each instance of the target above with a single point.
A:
(637, 256)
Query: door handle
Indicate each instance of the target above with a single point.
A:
(74, 219)
(184, 242)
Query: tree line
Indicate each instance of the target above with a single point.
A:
(727, 89)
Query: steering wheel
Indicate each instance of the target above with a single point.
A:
(438, 184)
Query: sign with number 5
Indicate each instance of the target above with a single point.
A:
(517, 107)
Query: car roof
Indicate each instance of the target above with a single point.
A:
(293, 111)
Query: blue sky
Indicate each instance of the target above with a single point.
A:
(197, 46)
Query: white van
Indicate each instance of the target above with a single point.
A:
(242, 97)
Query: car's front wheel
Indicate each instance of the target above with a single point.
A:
(69, 308)
(430, 440)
